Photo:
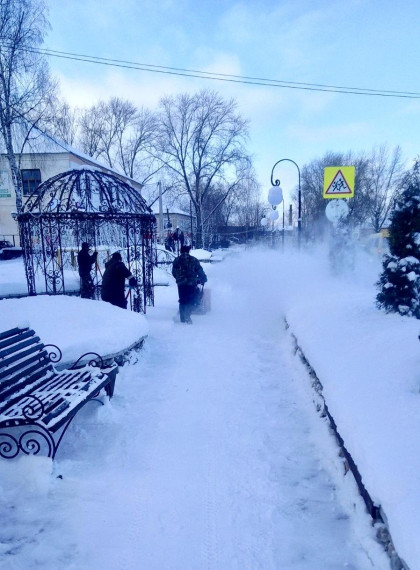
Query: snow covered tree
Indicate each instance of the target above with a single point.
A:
(399, 282)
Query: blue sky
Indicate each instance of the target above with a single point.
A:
(357, 43)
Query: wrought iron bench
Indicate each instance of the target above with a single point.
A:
(38, 402)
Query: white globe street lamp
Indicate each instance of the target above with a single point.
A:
(275, 196)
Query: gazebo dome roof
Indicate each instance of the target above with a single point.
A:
(86, 190)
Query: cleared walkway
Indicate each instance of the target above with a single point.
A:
(206, 459)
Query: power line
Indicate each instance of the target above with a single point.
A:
(48, 51)
(242, 79)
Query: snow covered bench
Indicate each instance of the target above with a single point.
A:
(37, 402)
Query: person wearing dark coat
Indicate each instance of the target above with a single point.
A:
(85, 261)
(113, 281)
(169, 242)
(179, 238)
(188, 273)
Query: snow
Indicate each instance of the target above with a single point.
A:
(211, 453)
(368, 363)
(201, 254)
(101, 327)
(55, 145)
(171, 209)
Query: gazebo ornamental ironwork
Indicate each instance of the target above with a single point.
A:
(86, 205)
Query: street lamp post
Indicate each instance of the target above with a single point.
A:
(191, 226)
(168, 223)
(264, 223)
(161, 232)
(273, 196)
(282, 236)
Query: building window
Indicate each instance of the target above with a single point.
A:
(31, 179)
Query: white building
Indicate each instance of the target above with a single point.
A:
(36, 168)
(172, 217)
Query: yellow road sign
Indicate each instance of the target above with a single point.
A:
(339, 181)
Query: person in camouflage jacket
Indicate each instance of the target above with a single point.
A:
(188, 273)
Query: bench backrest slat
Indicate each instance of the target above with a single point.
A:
(23, 362)
(21, 372)
(11, 332)
(18, 346)
(10, 337)
(15, 392)
(19, 357)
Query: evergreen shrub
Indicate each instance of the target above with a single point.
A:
(399, 283)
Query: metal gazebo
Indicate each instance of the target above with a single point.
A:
(86, 205)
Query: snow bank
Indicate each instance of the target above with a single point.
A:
(368, 362)
(75, 325)
(201, 254)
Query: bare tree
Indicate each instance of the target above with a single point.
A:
(383, 179)
(249, 205)
(121, 135)
(91, 128)
(25, 84)
(117, 116)
(135, 147)
(313, 203)
(239, 206)
(63, 123)
(103, 127)
(312, 182)
(202, 142)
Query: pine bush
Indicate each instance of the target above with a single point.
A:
(399, 283)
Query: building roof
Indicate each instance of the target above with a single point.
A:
(52, 145)
(171, 209)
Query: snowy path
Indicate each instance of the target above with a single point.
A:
(204, 461)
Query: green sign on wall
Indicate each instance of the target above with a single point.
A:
(4, 185)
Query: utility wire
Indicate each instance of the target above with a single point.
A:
(183, 72)
(48, 51)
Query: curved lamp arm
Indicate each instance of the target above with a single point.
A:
(277, 183)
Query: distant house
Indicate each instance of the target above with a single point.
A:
(171, 218)
(36, 168)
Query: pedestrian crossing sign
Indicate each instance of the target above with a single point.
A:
(339, 181)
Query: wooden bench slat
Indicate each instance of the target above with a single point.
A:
(44, 387)
(13, 339)
(23, 389)
(39, 382)
(19, 355)
(31, 386)
(14, 331)
(21, 367)
(17, 348)
(23, 377)
(49, 402)
(78, 401)
(11, 332)
(59, 401)
(63, 381)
